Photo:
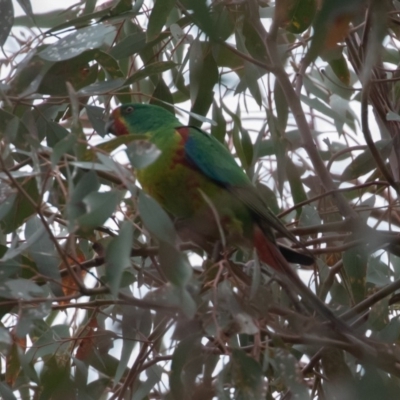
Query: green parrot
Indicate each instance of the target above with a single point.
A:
(196, 179)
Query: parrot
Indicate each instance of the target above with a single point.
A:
(198, 182)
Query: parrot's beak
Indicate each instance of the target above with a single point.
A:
(110, 126)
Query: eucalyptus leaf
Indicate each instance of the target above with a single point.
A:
(6, 19)
(118, 256)
(156, 219)
(142, 153)
(158, 17)
(91, 37)
(129, 46)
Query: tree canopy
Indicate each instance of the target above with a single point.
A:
(98, 297)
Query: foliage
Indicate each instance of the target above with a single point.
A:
(99, 299)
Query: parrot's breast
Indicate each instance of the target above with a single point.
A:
(189, 195)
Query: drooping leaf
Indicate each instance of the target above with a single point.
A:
(340, 68)
(296, 15)
(22, 208)
(156, 219)
(174, 264)
(151, 69)
(355, 264)
(6, 19)
(91, 37)
(99, 206)
(118, 256)
(129, 46)
(158, 17)
(364, 162)
(142, 153)
(43, 251)
(96, 118)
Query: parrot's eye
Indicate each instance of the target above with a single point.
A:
(128, 110)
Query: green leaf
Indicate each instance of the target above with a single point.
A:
(6, 19)
(75, 207)
(202, 18)
(341, 69)
(47, 19)
(355, 265)
(99, 207)
(110, 145)
(7, 203)
(91, 165)
(309, 216)
(68, 20)
(218, 130)
(365, 162)
(62, 147)
(187, 351)
(53, 341)
(43, 252)
(154, 374)
(252, 41)
(91, 37)
(96, 118)
(33, 237)
(296, 186)
(151, 69)
(22, 208)
(282, 108)
(287, 369)
(279, 150)
(5, 392)
(22, 289)
(77, 71)
(30, 315)
(195, 68)
(322, 108)
(162, 96)
(251, 74)
(156, 219)
(175, 297)
(127, 347)
(378, 272)
(174, 265)
(391, 332)
(129, 46)
(269, 197)
(378, 317)
(98, 88)
(298, 14)
(315, 87)
(5, 341)
(237, 142)
(108, 63)
(118, 256)
(142, 153)
(6, 119)
(158, 17)
(330, 12)
(206, 80)
(247, 375)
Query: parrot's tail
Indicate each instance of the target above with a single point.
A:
(270, 254)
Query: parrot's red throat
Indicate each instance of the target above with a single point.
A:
(116, 125)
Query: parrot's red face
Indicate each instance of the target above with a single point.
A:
(117, 123)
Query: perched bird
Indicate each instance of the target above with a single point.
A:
(196, 179)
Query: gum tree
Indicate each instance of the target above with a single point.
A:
(305, 96)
